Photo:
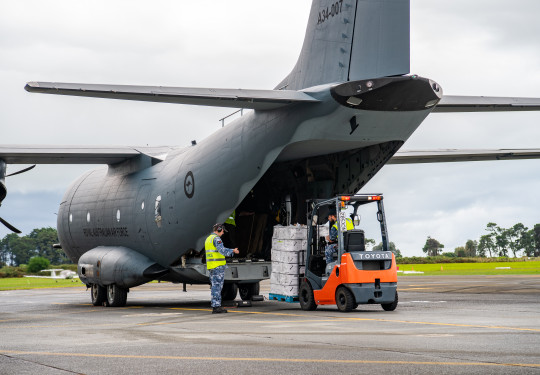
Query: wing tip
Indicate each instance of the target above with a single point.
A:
(31, 86)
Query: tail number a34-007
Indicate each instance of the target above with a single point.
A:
(330, 11)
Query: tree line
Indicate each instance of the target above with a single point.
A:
(16, 250)
(498, 242)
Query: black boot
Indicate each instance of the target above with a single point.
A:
(218, 310)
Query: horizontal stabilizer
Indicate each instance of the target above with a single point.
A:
(233, 98)
(34, 154)
(451, 103)
(451, 155)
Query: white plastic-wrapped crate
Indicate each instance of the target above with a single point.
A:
(286, 268)
(292, 232)
(289, 245)
(285, 256)
(288, 254)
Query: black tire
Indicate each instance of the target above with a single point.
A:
(390, 306)
(116, 296)
(229, 291)
(247, 291)
(306, 298)
(344, 299)
(98, 294)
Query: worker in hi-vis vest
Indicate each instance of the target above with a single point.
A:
(215, 262)
(332, 239)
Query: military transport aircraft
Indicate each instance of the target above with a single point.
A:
(342, 113)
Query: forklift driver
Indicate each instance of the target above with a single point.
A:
(332, 239)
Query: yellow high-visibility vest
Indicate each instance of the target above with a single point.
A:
(213, 257)
(348, 221)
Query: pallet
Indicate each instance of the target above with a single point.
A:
(282, 298)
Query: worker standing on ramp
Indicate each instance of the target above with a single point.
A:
(216, 265)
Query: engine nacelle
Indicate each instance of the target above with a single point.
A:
(105, 265)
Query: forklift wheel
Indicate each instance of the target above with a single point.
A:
(344, 299)
(390, 306)
(307, 301)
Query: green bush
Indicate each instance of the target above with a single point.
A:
(37, 264)
(8, 271)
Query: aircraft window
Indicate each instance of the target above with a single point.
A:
(118, 215)
(88, 217)
(71, 218)
(158, 211)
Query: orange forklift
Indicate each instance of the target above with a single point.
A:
(355, 276)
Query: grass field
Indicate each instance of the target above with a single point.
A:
(34, 283)
(516, 268)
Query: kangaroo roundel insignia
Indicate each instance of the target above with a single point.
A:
(189, 185)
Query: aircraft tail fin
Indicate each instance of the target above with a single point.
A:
(350, 40)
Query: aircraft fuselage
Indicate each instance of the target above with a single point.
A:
(164, 209)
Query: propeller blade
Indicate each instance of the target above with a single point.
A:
(21, 171)
(9, 226)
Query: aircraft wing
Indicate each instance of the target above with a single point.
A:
(234, 98)
(450, 155)
(34, 154)
(452, 103)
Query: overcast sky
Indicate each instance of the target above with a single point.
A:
(481, 47)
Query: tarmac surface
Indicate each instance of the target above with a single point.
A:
(443, 325)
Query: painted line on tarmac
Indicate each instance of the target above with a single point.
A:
(444, 324)
(60, 326)
(263, 359)
(334, 319)
(238, 311)
(338, 319)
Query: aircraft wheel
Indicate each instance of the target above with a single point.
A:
(390, 306)
(229, 291)
(98, 294)
(305, 295)
(116, 296)
(248, 290)
(344, 299)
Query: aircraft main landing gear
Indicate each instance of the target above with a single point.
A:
(116, 296)
(98, 294)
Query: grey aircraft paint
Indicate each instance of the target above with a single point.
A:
(340, 115)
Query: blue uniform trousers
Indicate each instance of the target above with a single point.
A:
(329, 250)
(217, 277)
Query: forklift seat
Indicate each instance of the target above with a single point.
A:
(354, 240)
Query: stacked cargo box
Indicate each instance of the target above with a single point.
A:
(289, 245)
